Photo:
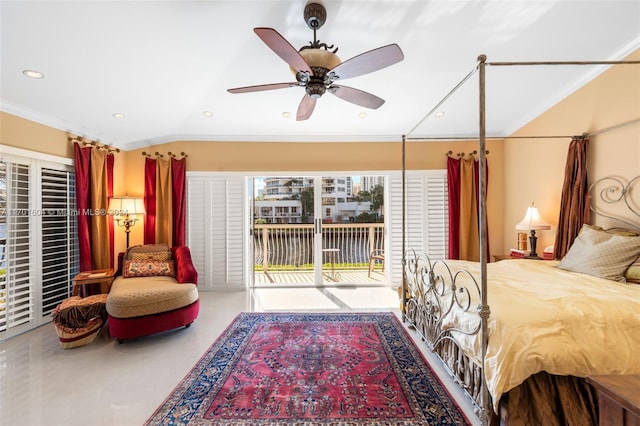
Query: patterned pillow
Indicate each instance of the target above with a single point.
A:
(152, 255)
(601, 254)
(147, 248)
(148, 268)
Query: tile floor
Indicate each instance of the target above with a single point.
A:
(105, 383)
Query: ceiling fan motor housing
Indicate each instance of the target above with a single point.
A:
(315, 90)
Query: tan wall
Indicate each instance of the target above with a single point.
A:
(309, 156)
(21, 133)
(257, 157)
(534, 168)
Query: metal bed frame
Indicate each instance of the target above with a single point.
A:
(425, 301)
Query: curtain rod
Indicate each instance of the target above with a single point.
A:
(158, 155)
(462, 154)
(95, 144)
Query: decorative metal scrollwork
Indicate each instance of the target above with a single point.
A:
(438, 298)
(613, 190)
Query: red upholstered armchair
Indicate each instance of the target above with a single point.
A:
(155, 290)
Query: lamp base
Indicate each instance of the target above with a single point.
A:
(533, 242)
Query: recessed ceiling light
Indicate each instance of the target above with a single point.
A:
(33, 74)
(118, 115)
(362, 115)
(439, 114)
(208, 114)
(286, 114)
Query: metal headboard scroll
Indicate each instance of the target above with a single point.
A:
(613, 190)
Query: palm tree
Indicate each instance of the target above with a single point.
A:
(305, 196)
(377, 197)
(306, 199)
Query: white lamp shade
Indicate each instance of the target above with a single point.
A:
(532, 221)
(126, 206)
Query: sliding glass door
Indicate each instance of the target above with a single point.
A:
(317, 230)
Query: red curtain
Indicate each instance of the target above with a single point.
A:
(179, 175)
(574, 202)
(453, 189)
(178, 182)
(150, 200)
(110, 163)
(83, 203)
(87, 210)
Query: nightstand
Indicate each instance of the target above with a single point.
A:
(618, 398)
(103, 277)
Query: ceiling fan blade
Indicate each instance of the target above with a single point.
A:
(262, 87)
(358, 97)
(306, 107)
(283, 48)
(370, 61)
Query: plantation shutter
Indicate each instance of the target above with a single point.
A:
(426, 217)
(215, 229)
(16, 288)
(60, 255)
(437, 215)
(38, 237)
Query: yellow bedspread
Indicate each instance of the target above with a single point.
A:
(547, 319)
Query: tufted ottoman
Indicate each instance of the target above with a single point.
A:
(143, 305)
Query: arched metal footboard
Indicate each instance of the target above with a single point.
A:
(443, 306)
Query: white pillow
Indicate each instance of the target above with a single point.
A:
(601, 254)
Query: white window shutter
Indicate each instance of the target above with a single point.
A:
(16, 284)
(197, 226)
(215, 229)
(60, 254)
(437, 215)
(393, 251)
(426, 217)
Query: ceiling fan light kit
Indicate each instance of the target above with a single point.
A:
(317, 67)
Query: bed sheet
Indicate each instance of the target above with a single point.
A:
(547, 319)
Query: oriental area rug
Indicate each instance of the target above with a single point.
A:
(311, 369)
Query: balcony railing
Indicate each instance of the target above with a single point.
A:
(290, 247)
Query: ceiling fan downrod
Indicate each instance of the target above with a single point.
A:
(315, 15)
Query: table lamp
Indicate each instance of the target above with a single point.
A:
(532, 222)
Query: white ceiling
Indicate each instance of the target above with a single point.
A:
(162, 63)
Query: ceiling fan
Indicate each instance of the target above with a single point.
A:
(317, 67)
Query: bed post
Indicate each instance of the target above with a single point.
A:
(484, 311)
